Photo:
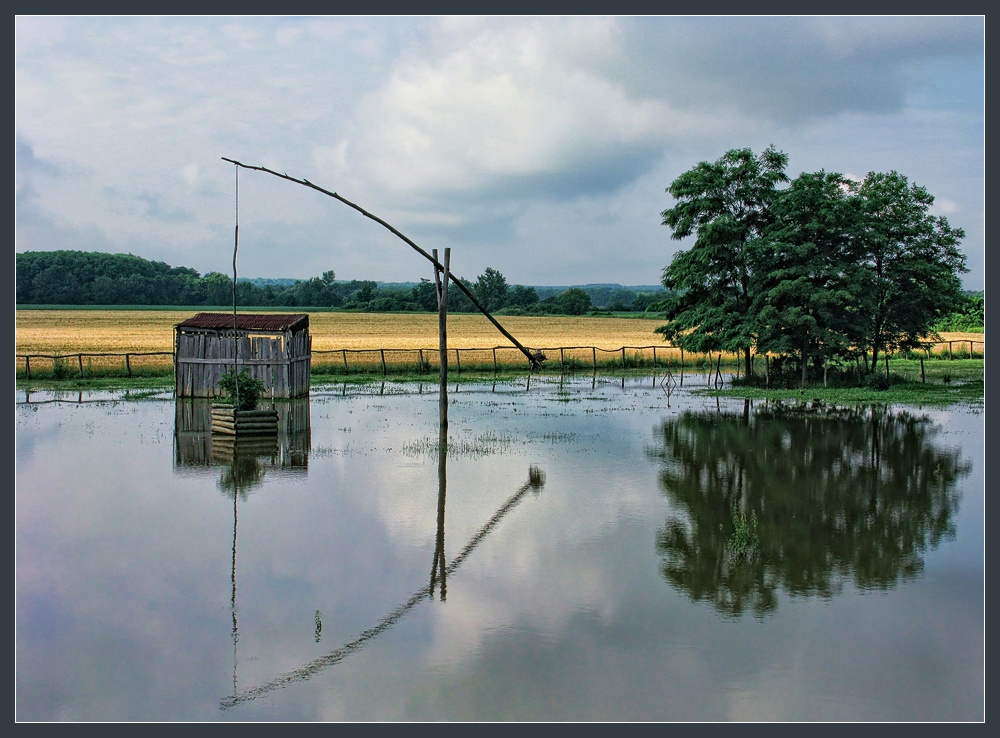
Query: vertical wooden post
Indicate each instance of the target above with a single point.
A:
(718, 364)
(382, 353)
(593, 351)
(949, 350)
(494, 359)
(441, 288)
(27, 366)
(654, 358)
(623, 357)
(767, 370)
(128, 366)
(458, 361)
(344, 352)
(886, 364)
(923, 378)
(561, 361)
(682, 358)
(421, 367)
(80, 359)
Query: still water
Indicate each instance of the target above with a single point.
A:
(582, 550)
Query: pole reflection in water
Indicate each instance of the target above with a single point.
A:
(438, 569)
(244, 461)
(439, 573)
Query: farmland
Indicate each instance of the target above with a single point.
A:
(360, 336)
(118, 331)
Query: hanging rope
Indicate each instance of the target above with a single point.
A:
(236, 246)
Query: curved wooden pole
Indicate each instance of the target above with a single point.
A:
(535, 364)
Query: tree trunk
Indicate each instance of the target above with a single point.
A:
(805, 360)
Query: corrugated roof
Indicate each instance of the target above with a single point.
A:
(293, 322)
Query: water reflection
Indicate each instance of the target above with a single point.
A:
(440, 570)
(244, 460)
(800, 499)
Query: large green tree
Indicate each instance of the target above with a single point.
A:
(726, 205)
(910, 263)
(807, 288)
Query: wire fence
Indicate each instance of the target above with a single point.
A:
(426, 360)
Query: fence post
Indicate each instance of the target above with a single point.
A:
(27, 366)
(562, 363)
(382, 354)
(494, 359)
(922, 377)
(80, 359)
(593, 351)
(949, 350)
(623, 357)
(421, 370)
(344, 352)
(128, 366)
(458, 361)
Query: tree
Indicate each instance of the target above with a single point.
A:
(909, 261)
(491, 289)
(806, 288)
(573, 301)
(521, 296)
(726, 205)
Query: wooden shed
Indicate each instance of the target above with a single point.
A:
(276, 349)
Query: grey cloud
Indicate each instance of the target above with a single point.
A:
(791, 69)
(155, 208)
(26, 161)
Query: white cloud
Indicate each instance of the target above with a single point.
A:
(503, 109)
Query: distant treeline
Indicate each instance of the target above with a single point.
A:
(94, 278)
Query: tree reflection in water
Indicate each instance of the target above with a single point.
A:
(836, 494)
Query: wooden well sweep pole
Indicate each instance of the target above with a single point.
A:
(468, 293)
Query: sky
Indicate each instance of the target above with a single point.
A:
(541, 147)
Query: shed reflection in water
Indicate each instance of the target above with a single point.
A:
(244, 459)
(802, 499)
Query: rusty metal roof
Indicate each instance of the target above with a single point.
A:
(279, 323)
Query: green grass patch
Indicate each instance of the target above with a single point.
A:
(942, 383)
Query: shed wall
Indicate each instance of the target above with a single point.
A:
(281, 362)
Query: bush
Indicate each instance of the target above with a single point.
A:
(244, 388)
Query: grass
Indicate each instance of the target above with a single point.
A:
(960, 380)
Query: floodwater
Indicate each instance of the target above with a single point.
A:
(586, 550)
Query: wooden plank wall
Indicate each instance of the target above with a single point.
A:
(282, 363)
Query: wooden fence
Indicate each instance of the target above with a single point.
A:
(562, 358)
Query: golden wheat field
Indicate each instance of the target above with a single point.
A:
(118, 331)
(71, 332)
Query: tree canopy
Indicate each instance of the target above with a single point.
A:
(727, 206)
(96, 278)
(825, 268)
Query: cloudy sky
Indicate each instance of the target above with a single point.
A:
(538, 146)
